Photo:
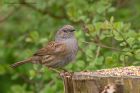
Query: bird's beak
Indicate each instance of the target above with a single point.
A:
(73, 30)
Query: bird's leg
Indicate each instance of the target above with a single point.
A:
(53, 69)
(63, 69)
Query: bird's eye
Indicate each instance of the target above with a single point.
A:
(64, 30)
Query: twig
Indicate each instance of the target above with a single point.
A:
(103, 46)
(97, 52)
(124, 39)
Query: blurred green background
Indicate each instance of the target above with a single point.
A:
(108, 32)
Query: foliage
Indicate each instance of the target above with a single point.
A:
(107, 32)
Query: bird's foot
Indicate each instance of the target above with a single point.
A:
(66, 74)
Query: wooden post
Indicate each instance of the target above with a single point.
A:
(92, 82)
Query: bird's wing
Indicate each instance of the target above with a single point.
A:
(53, 48)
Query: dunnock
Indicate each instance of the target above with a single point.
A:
(57, 53)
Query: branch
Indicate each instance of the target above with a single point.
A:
(45, 11)
(2, 19)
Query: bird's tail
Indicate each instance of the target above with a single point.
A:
(21, 62)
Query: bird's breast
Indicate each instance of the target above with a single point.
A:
(72, 47)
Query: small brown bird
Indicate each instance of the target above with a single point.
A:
(57, 53)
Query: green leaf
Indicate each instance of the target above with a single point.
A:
(106, 25)
(137, 54)
(118, 37)
(123, 44)
(34, 35)
(98, 26)
(118, 25)
(111, 9)
(32, 74)
(2, 70)
(131, 40)
(112, 19)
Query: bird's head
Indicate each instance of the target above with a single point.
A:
(66, 32)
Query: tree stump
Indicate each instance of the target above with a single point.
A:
(116, 80)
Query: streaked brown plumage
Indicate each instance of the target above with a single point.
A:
(57, 53)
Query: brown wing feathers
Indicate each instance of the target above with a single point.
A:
(48, 54)
(51, 49)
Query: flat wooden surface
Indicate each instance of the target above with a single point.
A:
(115, 80)
(123, 72)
